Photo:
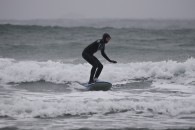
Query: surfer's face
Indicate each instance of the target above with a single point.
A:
(108, 39)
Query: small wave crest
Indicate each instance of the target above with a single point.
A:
(12, 71)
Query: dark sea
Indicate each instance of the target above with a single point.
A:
(41, 69)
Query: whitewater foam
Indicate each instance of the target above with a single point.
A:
(12, 71)
(88, 103)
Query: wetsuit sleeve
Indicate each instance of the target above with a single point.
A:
(104, 54)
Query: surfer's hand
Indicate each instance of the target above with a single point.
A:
(112, 61)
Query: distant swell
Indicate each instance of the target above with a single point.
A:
(47, 27)
(104, 23)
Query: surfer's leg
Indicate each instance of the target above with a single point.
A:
(91, 60)
(93, 70)
(99, 68)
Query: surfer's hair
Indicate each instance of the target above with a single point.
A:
(106, 35)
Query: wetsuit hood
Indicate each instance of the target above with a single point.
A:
(105, 35)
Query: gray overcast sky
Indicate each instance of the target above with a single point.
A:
(54, 9)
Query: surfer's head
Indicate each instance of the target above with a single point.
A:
(106, 37)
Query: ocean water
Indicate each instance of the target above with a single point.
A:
(41, 69)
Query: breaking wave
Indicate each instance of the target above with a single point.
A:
(62, 105)
(12, 71)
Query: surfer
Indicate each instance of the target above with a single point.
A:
(91, 59)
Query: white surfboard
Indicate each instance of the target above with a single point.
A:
(98, 86)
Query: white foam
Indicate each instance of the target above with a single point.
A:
(57, 72)
(190, 89)
(78, 103)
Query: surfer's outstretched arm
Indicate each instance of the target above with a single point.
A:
(106, 57)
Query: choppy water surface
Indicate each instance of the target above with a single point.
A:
(41, 69)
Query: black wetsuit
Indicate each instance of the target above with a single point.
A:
(89, 57)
